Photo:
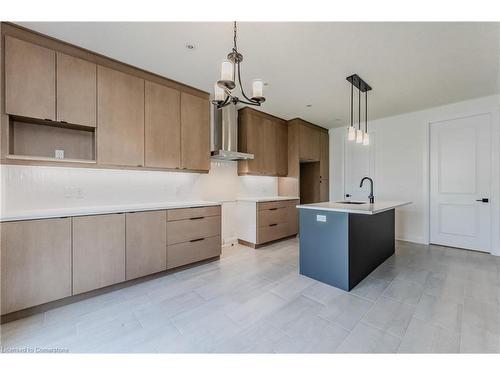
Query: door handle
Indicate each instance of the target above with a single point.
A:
(484, 200)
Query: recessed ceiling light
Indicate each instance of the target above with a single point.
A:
(309, 105)
(190, 46)
(266, 84)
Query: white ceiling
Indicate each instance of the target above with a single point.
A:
(410, 66)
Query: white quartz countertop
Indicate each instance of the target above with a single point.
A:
(364, 208)
(266, 199)
(97, 210)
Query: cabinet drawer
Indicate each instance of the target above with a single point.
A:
(269, 205)
(192, 229)
(193, 251)
(272, 232)
(190, 213)
(272, 216)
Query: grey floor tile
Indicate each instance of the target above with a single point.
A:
(445, 287)
(292, 286)
(424, 337)
(390, 315)
(322, 293)
(370, 288)
(367, 339)
(346, 310)
(441, 312)
(404, 291)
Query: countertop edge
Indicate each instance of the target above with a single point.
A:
(353, 210)
(103, 211)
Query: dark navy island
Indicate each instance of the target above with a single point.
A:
(342, 242)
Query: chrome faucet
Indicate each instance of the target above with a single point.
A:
(371, 197)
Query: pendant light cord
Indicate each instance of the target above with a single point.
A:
(359, 109)
(352, 104)
(366, 112)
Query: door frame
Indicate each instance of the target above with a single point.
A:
(493, 152)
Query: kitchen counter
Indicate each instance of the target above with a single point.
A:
(266, 199)
(341, 244)
(99, 210)
(364, 208)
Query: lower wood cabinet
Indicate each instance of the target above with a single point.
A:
(193, 251)
(146, 243)
(324, 191)
(36, 262)
(98, 251)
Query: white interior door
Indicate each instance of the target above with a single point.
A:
(460, 166)
(359, 162)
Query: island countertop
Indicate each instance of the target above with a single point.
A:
(363, 208)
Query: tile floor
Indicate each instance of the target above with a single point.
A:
(426, 299)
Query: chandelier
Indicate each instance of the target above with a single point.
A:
(230, 74)
(354, 134)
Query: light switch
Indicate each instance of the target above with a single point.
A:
(59, 154)
(321, 218)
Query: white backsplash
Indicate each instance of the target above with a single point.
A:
(25, 188)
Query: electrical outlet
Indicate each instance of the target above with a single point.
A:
(321, 218)
(59, 154)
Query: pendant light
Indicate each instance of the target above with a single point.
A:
(359, 132)
(366, 137)
(351, 134)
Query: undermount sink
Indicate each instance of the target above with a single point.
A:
(350, 202)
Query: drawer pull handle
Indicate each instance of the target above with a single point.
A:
(197, 218)
(273, 209)
(272, 225)
(198, 239)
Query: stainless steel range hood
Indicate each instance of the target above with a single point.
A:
(224, 139)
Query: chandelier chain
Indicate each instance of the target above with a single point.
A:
(234, 38)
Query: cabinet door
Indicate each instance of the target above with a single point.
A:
(195, 133)
(268, 147)
(98, 251)
(30, 80)
(309, 143)
(120, 118)
(324, 158)
(76, 90)
(250, 133)
(324, 190)
(293, 217)
(162, 126)
(146, 244)
(36, 262)
(281, 149)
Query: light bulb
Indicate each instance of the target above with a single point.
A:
(359, 136)
(257, 88)
(351, 135)
(366, 139)
(226, 72)
(218, 93)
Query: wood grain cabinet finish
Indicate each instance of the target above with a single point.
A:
(146, 243)
(30, 80)
(309, 143)
(324, 190)
(193, 251)
(193, 229)
(76, 90)
(324, 158)
(266, 137)
(98, 251)
(36, 262)
(282, 149)
(293, 217)
(276, 220)
(162, 126)
(120, 118)
(195, 133)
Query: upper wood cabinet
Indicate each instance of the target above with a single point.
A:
(120, 118)
(282, 149)
(30, 80)
(266, 137)
(98, 251)
(309, 143)
(195, 133)
(76, 90)
(162, 126)
(36, 262)
(324, 158)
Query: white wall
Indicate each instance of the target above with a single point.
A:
(402, 163)
(33, 188)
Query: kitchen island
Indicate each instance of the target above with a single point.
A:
(342, 242)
